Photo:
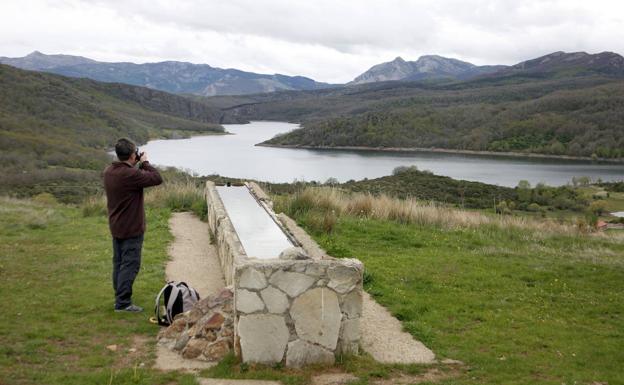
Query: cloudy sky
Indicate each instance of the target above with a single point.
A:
(327, 40)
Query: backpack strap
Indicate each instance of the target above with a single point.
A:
(175, 290)
(161, 320)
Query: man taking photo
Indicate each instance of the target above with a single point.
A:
(124, 182)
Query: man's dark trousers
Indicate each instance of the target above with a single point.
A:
(126, 265)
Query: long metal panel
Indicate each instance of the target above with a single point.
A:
(260, 235)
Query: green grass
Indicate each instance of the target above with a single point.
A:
(515, 306)
(57, 308)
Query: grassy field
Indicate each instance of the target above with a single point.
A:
(517, 300)
(57, 317)
(518, 306)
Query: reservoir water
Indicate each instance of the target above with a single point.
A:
(237, 156)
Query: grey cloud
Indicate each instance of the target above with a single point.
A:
(327, 40)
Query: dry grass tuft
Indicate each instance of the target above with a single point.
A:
(409, 211)
(178, 196)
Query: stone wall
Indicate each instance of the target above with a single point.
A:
(301, 308)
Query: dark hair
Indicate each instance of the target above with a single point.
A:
(124, 148)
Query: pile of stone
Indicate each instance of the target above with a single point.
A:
(206, 332)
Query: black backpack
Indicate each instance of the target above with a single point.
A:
(178, 298)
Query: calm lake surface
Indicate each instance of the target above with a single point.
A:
(236, 156)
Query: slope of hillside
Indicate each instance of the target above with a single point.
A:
(169, 76)
(563, 63)
(580, 120)
(54, 130)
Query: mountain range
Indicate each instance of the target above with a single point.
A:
(204, 80)
(170, 76)
(438, 67)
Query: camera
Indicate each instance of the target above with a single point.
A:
(138, 154)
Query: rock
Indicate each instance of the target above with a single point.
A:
(275, 300)
(292, 284)
(263, 338)
(321, 283)
(223, 297)
(180, 315)
(315, 270)
(194, 348)
(194, 315)
(112, 348)
(252, 279)
(178, 325)
(350, 330)
(352, 304)
(214, 322)
(301, 353)
(195, 330)
(294, 253)
(205, 305)
(181, 342)
(333, 379)
(350, 336)
(217, 350)
(450, 361)
(317, 317)
(248, 301)
(343, 278)
(209, 335)
(168, 332)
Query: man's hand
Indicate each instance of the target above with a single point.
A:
(143, 157)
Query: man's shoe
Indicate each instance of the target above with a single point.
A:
(130, 309)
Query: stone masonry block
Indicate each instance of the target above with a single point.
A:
(301, 353)
(251, 278)
(317, 317)
(275, 300)
(263, 338)
(292, 284)
(248, 301)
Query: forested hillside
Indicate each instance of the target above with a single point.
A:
(54, 131)
(555, 115)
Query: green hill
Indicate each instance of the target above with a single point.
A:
(582, 120)
(54, 131)
(552, 113)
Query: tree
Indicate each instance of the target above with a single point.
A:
(524, 191)
(598, 207)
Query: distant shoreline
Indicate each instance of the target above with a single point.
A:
(448, 151)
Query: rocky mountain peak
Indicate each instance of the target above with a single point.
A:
(426, 67)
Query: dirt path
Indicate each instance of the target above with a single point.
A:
(382, 336)
(193, 260)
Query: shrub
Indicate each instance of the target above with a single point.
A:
(94, 205)
(598, 207)
(45, 198)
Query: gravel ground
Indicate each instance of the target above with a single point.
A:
(193, 259)
(382, 336)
